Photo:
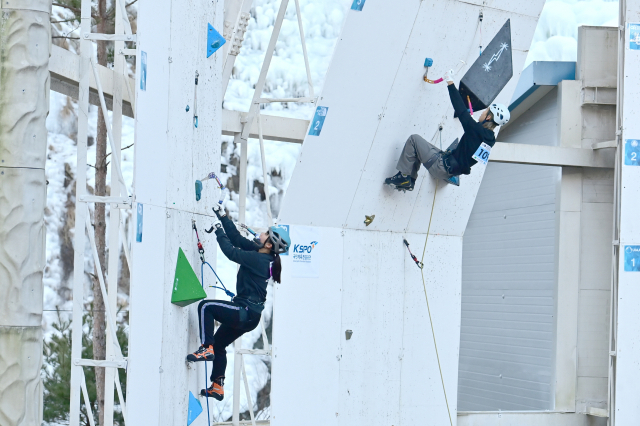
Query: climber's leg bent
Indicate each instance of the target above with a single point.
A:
(416, 151)
(210, 311)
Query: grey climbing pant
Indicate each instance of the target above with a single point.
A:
(418, 151)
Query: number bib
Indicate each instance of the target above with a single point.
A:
(482, 154)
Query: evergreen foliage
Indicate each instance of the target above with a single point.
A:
(56, 372)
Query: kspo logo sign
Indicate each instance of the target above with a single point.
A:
(302, 253)
(300, 249)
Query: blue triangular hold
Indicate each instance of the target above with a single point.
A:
(195, 409)
(453, 180)
(214, 41)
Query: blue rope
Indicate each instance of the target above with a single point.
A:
(206, 374)
(223, 288)
(231, 295)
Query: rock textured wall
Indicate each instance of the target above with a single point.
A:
(25, 43)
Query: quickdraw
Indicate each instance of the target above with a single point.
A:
(470, 106)
(199, 187)
(415, 259)
(200, 247)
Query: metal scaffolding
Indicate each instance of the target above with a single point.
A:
(121, 198)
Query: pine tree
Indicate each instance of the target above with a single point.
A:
(56, 372)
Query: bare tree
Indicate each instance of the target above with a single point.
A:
(100, 221)
(103, 17)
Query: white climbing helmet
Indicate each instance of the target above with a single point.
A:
(501, 114)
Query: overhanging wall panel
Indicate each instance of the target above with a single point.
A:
(416, 107)
(356, 89)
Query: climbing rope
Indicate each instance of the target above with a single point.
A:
(204, 262)
(424, 286)
(223, 288)
(206, 373)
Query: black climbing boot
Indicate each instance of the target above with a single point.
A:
(204, 353)
(401, 182)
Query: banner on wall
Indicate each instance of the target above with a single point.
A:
(305, 251)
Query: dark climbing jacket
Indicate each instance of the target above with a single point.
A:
(474, 135)
(255, 267)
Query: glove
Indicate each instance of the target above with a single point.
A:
(448, 76)
(218, 209)
(215, 225)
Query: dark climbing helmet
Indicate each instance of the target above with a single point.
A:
(280, 239)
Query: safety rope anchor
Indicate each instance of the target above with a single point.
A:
(415, 259)
(200, 247)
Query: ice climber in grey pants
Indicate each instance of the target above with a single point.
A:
(446, 164)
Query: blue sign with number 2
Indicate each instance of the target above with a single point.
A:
(357, 4)
(318, 121)
(632, 152)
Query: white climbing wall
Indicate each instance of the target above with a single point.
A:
(170, 155)
(628, 350)
(387, 373)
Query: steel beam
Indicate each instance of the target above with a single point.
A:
(64, 69)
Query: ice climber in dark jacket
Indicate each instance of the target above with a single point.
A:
(259, 262)
(447, 164)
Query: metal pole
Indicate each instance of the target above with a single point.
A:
(242, 191)
(304, 50)
(237, 366)
(25, 35)
(86, 49)
(267, 196)
(239, 14)
(255, 106)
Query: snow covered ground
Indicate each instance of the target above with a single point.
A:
(555, 39)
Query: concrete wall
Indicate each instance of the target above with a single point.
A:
(25, 43)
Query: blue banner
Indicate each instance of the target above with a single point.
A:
(318, 121)
(632, 152)
(139, 225)
(143, 70)
(632, 258)
(634, 36)
(357, 4)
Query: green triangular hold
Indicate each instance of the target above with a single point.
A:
(186, 286)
